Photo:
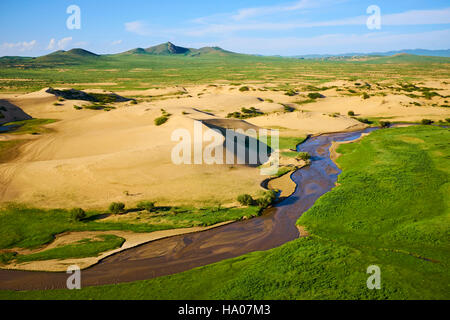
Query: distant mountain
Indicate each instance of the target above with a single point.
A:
(169, 48)
(72, 57)
(417, 52)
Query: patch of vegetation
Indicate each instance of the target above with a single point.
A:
(149, 206)
(266, 199)
(80, 249)
(291, 93)
(315, 95)
(364, 120)
(365, 96)
(302, 102)
(385, 124)
(288, 108)
(29, 228)
(29, 126)
(427, 122)
(77, 214)
(351, 113)
(163, 119)
(244, 89)
(430, 94)
(246, 113)
(117, 207)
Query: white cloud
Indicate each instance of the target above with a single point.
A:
(338, 43)
(8, 48)
(418, 17)
(51, 44)
(260, 11)
(64, 42)
(414, 17)
(116, 43)
(61, 44)
(139, 27)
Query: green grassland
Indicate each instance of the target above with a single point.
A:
(81, 249)
(134, 71)
(30, 228)
(391, 209)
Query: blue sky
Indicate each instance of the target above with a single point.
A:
(291, 27)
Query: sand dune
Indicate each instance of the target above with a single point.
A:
(92, 158)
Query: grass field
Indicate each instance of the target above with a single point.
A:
(123, 72)
(390, 210)
(80, 249)
(29, 228)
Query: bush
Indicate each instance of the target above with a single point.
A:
(243, 89)
(117, 207)
(447, 120)
(385, 124)
(304, 156)
(77, 107)
(267, 199)
(291, 93)
(315, 95)
(77, 214)
(146, 205)
(246, 200)
(161, 120)
(427, 122)
(365, 96)
(351, 113)
(133, 102)
(363, 120)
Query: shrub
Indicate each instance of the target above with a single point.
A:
(288, 108)
(133, 102)
(315, 95)
(246, 200)
(77, 214)
(365, 96)
(304, 156)
(117, 207)
(385, 124)
(267, 199)
(77, 107)
(447, 119)
(1, 115)
(351, 113)
(243, 89)
(427, 122)
(430, 94)
(161, 120)
(146, 205)
(291, 93)
(363, 120)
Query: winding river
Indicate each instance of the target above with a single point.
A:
(180, 253)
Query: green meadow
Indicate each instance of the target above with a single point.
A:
(134, 71)
(391, 209)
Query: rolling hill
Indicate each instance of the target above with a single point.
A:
(168, 48)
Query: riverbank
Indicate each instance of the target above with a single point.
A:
(348, 233)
